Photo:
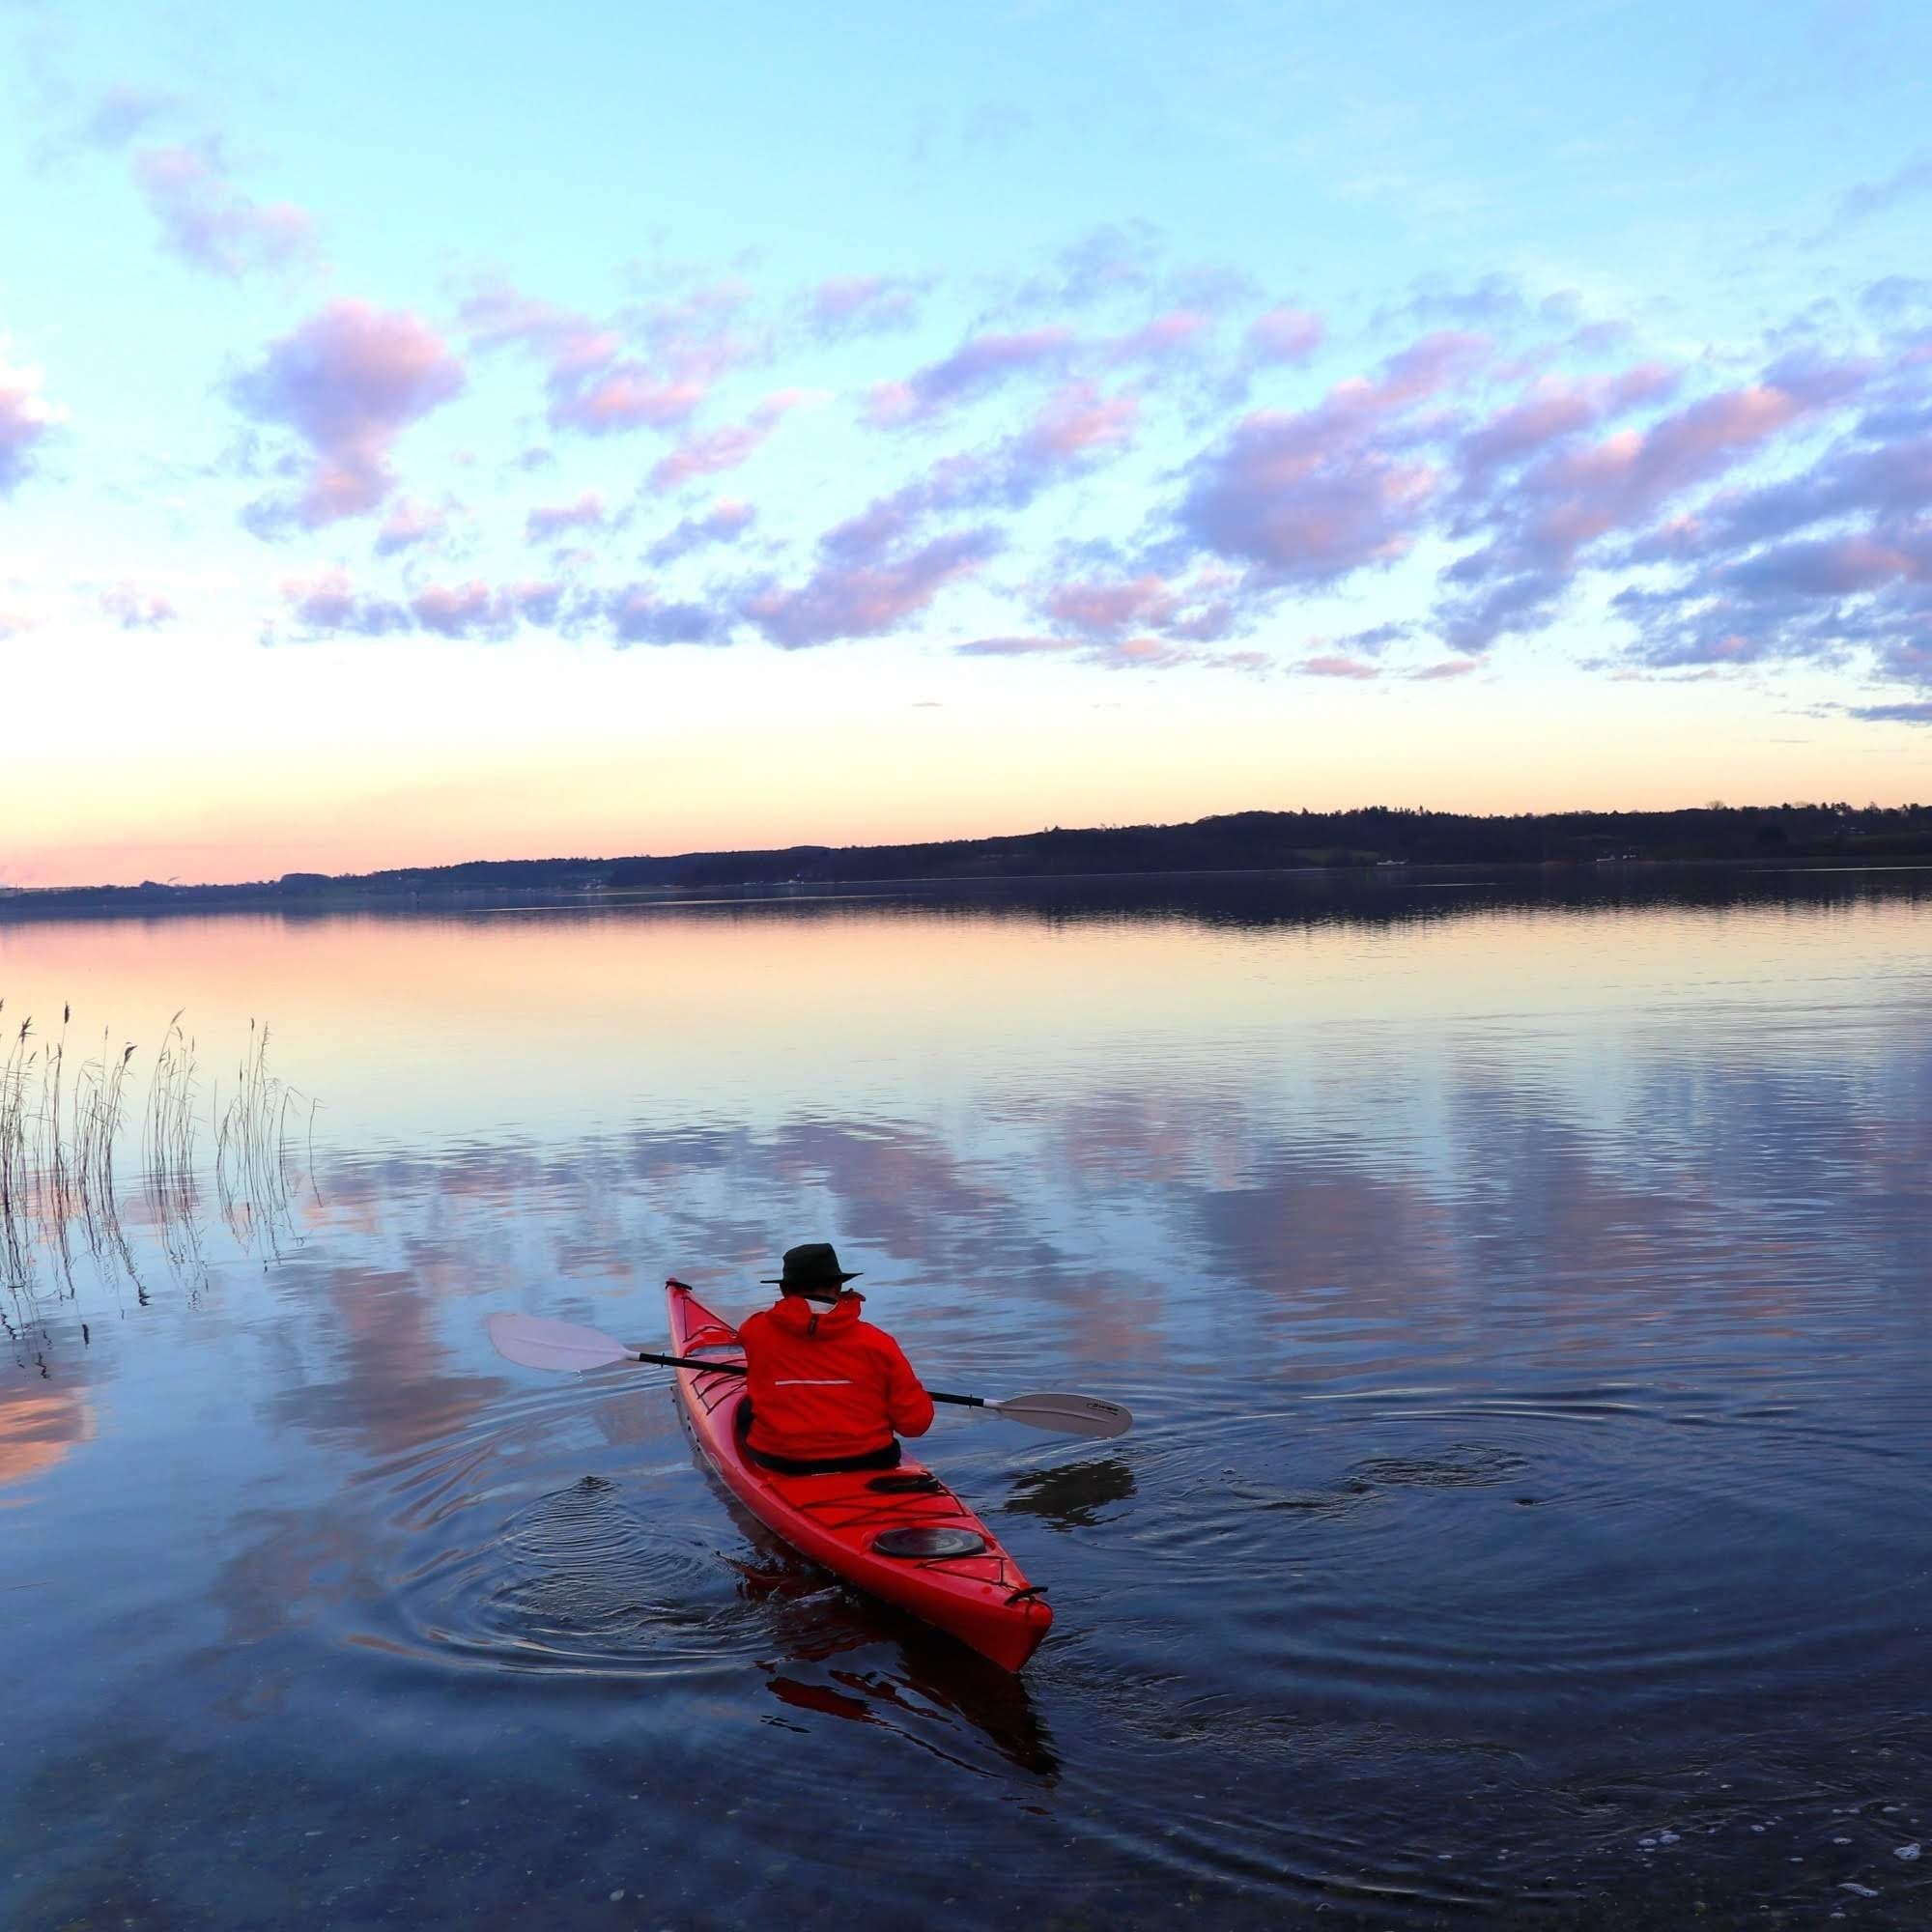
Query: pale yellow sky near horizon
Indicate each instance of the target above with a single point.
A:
(516, 759)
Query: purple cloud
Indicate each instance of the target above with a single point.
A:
(1916, 712)
(475, 609)
(846, 598)
(1100, 609)
(1113, 260)
(408, 523)
(209, 222)
(1163, 654)
(548, 521)
(1311, 496)
(457, 610)
(329, 602)
(348, 381)
(26, 417)
(850, 305)
(1868, 198)
(625, 396)
(1077, 420)
(1554, 409)
(727, 446)
(1843, 566)
(1290, 335)
(977, 365)
(1174, 333)
(638, 616)
(136, 610)
(725, 521)
(598, 383)
(1277, 497)
(1569, 499)
(124, 112)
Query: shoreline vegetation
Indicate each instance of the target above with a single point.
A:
(1366, 837)
(64, 1120)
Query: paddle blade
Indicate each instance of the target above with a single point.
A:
(1066, 1414)
(537, 1344)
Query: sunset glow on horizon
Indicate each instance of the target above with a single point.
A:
(462, 435)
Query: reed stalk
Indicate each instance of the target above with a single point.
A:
(61, 1129)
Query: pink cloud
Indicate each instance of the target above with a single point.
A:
(1446, 669)
(26, 417)
(597, 383)
(209, 222)
(1076, 420)
(1313, 495)
(1329, 665)
(623, 397)
(330, 602)
(499, 316)
(1572, 498)
(1099, 609)
(136, 610)
(550, 520)
(1284, 335)
(1413, 374)
(455, 610)
(1553, 411)
(1304, 508)
(1164, 337)
(348, 381)
(977, 365)
(408, 523)
(1141, 654)
(864, 600)
(726, 446)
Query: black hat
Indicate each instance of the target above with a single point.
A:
(811, 1267)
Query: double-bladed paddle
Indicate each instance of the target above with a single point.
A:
(535, 1343)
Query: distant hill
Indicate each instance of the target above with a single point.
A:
(1235, 841)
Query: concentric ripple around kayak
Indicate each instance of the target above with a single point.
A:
(565, 1534)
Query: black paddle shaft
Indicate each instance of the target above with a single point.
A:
(738, 1369)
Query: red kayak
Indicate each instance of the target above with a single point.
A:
(899, 1534)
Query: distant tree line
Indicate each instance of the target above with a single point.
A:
(1235, 841)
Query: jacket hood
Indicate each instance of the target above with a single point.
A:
(800, 1315)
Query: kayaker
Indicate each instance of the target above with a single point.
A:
(825, 1390)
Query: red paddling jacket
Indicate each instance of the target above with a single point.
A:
(825, 1384)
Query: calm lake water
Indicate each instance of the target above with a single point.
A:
(1522, 1290)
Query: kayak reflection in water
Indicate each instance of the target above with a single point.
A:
(824, 1390)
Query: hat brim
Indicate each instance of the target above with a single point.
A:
(819, 1281)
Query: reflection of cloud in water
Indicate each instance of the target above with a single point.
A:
(1437, 1185)
(38, 1428)
(396, 1388)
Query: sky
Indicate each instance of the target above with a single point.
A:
(444, 433)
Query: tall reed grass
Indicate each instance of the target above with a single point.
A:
(62, 1128)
